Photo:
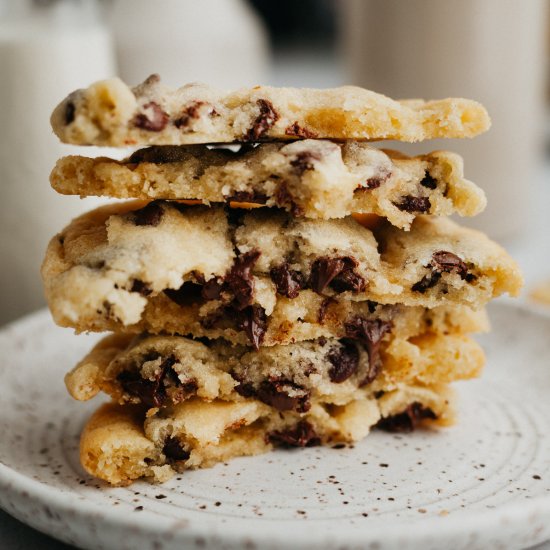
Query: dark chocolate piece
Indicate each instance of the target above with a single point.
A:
(264, 121)
(253, 321)
(70, 111)
(140, 287)
(370, 333)
(302, 435)
(443, 262)
(428, 181)
(344, 360)
(299, 131)
(287, 281)
(187, 294)
(173, 449)
(414, 204)
(339, 273)
(408, 420)
(304, 161)
(153, 122)
(240, 280)
(189, 113)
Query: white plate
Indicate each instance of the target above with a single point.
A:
(483, 483)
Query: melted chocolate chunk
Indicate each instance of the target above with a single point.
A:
(339, 273)
(191, 112)
(344, 360)
(370, 332)
(283, 197)
(304, 161)
(253, 321)
(154, 121)
(248, 196)
(408, 420)
(212, 289)
(428, 181)
(140, 287)
(240, 281)
(264, 121)
(187, 294)
(443, 262)
(414, 204)
(150, 392)
(287, 281)
(276, 394)
(299, 131)
(70, 111)
(302, 435)
(148, 215)
(159, 154)
(174, 450)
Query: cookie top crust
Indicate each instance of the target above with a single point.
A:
(317, 179)
(110, 113)
(115, 267)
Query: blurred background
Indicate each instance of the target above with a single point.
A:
(495, 51)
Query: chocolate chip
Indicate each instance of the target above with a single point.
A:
(248, 196)
(304, 161)
(302, 435)
(187, 294)
(299, 131)
(449, 263)
(376, 181)
(414, 204)
(264, 121)
(191, 112)
(212, 289)
(442, 262)
(159, 154)
(344, 360)
(276, 394)
(428, 281)
(408, 420)
(154, 121)
(284, 198)
(70, 111)
(174, 450)
(428, 181)
(240, 280)
(370, 333)
(152, 393)
(338, 272)
(287, 281)
(148, 215)
(140, 287)
(253, 321)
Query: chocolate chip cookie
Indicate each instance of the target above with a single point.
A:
(309, 178)
(164, 267)
(109, 113)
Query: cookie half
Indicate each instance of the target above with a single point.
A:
(215, 272)
(309, 178)
(161, 371)
(120, 443)
(112, 114)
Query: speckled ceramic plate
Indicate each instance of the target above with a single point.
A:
(483, 483)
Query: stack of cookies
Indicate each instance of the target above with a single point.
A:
(277, 281)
